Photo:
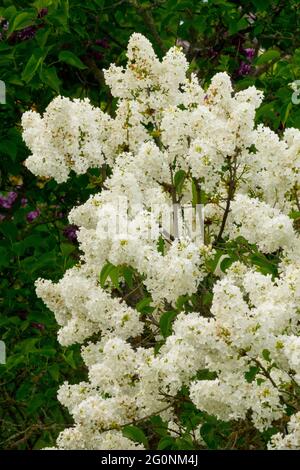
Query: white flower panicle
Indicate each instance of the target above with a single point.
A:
(291, 441)
(71, 135)
(260, 223)
(172, 142)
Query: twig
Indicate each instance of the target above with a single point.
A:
(230, 195)
(98, 74)
(147, 16)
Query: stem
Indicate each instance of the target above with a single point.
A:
(98, 74)
(147, 16)
(296, 197)
(173, 189)
(144, 418)
(230, 194)
(268, 376)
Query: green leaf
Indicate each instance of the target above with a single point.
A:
(236, 26)
(128, 273)
(161, 245)
(107, 268)
(251, 373)
(9, 13)
(135, 434)
(59, 15)
(28, 345)
(36, 402)
(223, 62)
(185, 443)
(286, 113)
(41, 36)
(22, 20)
(71, 59)
(50, 78)
(24, 391)
(206, 374)
(32, 65)
(212, 263)
(67, 248)
(140, 306)
(165, 322)
(266, 355)
(166, 443)
(39, 4)
(4, 47)
(207, 432)
(114, 275)
(33, 264)
(270, 55)
(54, 372)
(15, 80)
(159, 426)
(261, 5)
(31, 241)
(69, 358)
(179, 179)
(226, 263)
(265, 266)
(9, 230)
(4, 257)
(47, 351)
(294, 215)
(8, 147)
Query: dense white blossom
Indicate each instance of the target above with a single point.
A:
(291, 441)
(260, 223)
(172, 142)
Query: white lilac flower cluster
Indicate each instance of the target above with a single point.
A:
(260, 223)
(166, 130)
(291, 441)
(254, 327)
(71, 135)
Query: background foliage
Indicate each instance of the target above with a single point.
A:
(50, 47)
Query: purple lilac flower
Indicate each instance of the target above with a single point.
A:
(24, 201)
(102, 42)
(43, 12)
(7, 201)
(26, 33)
(12, 196)
(250, 53)
(96, 55)
(22, 314)
(32, 215)
(30, 31)
(212, 53)
(244, 69)
(4, 203)
(38, 326)
(59, 214)
(70, 233)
